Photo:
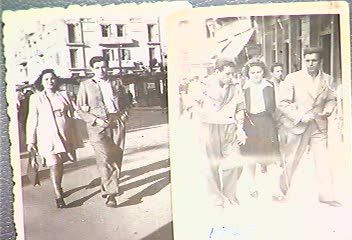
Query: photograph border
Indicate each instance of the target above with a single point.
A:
(185, 223)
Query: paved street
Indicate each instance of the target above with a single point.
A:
(300, 217)
(145, 211)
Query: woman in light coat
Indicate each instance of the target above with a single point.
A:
(50, 128)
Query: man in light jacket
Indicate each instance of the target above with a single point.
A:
(102, 106)
(306, 102)
(221, 115)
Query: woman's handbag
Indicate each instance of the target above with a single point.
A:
(32, 169)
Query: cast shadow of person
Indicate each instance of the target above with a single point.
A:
(161, 180)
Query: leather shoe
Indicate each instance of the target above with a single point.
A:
(332, 203)
(60, 203)
(111, 202)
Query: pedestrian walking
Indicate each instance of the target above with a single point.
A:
(262, 145)
(51, 130)
(220, 113)
(102, 104)
(306, 101)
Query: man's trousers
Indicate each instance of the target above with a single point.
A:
(293, 152)
(218, 144)
(108, 153)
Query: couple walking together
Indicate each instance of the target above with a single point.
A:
(101, 103)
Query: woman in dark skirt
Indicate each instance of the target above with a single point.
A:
(262, 145)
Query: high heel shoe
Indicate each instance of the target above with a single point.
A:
(60, 203)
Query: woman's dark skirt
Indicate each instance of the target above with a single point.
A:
(262, 142)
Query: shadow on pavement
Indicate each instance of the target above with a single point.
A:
(144, 181)
(69, 167)
(81, 201)
(163, 179)
(163, 233)
(140, 171)
(148, 191)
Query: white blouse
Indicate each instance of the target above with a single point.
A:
(257, 103)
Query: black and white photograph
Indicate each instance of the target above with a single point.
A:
(87, 93)
(260, 121)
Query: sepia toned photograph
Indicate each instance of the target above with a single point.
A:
(260, 122)
(87, 93)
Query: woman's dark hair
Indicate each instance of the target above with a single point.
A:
(254, 63)
(38, 83)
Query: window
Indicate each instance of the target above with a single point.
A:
(151, 53)
(71, 33)
(125, 54)
(120, 30)
(325, 23)
(274, 33)
(108, 54)
(273, 56)
(286, 30)
(287, 57)
(300, 21)
(105, 30)
(299, 53)
(210, 28)
(74, 58)
(151, 32)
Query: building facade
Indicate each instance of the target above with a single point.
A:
(131, 45)
(67, 45)
(282, 39)
(271, 38)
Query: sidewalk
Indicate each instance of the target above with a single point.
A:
(145, 209)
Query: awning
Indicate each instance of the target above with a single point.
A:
(232, 38)
(234, 45)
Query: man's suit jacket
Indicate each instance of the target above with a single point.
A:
(91, 106)
(299, 95)
(220, 105)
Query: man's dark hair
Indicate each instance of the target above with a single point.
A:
(311, 50)
(220, 64)
(274, 65)
(97, 59)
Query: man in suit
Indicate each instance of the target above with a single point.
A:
(306, 102)
(101, 106)
(221, 115)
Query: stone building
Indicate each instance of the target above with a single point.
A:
(132, 45)
(282, 39)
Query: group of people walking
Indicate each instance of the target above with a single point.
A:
(262, 122)
(50, 131)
